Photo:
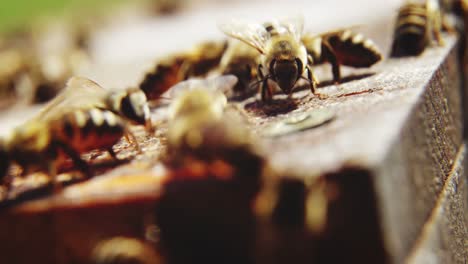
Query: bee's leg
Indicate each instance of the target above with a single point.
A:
(260, 75)
(311, 79)
(112, 153)
(131, 138)
(76, 158)
(264, 88)
(266, 91)
(331, 57)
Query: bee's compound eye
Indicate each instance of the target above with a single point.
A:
(299, 64)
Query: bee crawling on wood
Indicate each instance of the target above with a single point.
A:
(283, 56)
(341, 47)
(178, 67)
(417, 26)
(83, 117)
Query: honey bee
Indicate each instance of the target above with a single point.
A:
(240, 60)
(171, 70)
(341, 47)
(417, 26)
(283, 56)
(196, 104)
(83, 117)
(211, 161)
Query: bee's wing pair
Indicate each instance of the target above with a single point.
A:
(257, 36)
(222, 84)
(79, 92)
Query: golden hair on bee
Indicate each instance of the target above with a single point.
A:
(283, 57)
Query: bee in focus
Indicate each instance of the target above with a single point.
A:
(283, 56)
(417, 26)
(178, 67)
(341, 47)
(240, 60)
(83, 117)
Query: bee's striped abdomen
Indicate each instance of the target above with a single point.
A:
(353, 49)
(86, 130)
(165, 75)
(411, 31)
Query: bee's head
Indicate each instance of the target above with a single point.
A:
(28, 141)
(132, 105)
(286, 73)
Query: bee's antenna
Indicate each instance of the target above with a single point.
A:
(252, 85)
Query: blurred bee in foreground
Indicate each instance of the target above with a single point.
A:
(417, 26)
(196, 105)
(341, 47)
(83, 117)
(283, 56)
(175, 68)
(124, 250)
(210, 161)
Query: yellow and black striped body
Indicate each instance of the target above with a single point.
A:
(41, 146)
(342, 47)
(86, 130)
(173, 69)
(417, 25)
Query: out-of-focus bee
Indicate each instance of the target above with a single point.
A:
(83, 117)
(124, 250)
(240, 60)
(175, 68)
(210, 160)
(341, 47)
(283, 56)
(37, 63)
(197, 104)
(417, 26)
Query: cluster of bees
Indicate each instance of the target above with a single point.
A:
(270, 57)
(206, 135)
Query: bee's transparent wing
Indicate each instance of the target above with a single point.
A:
(253, 34)
(294, 25)
(79, 92)
(223, 84)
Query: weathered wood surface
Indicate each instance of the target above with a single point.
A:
(394, 152)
